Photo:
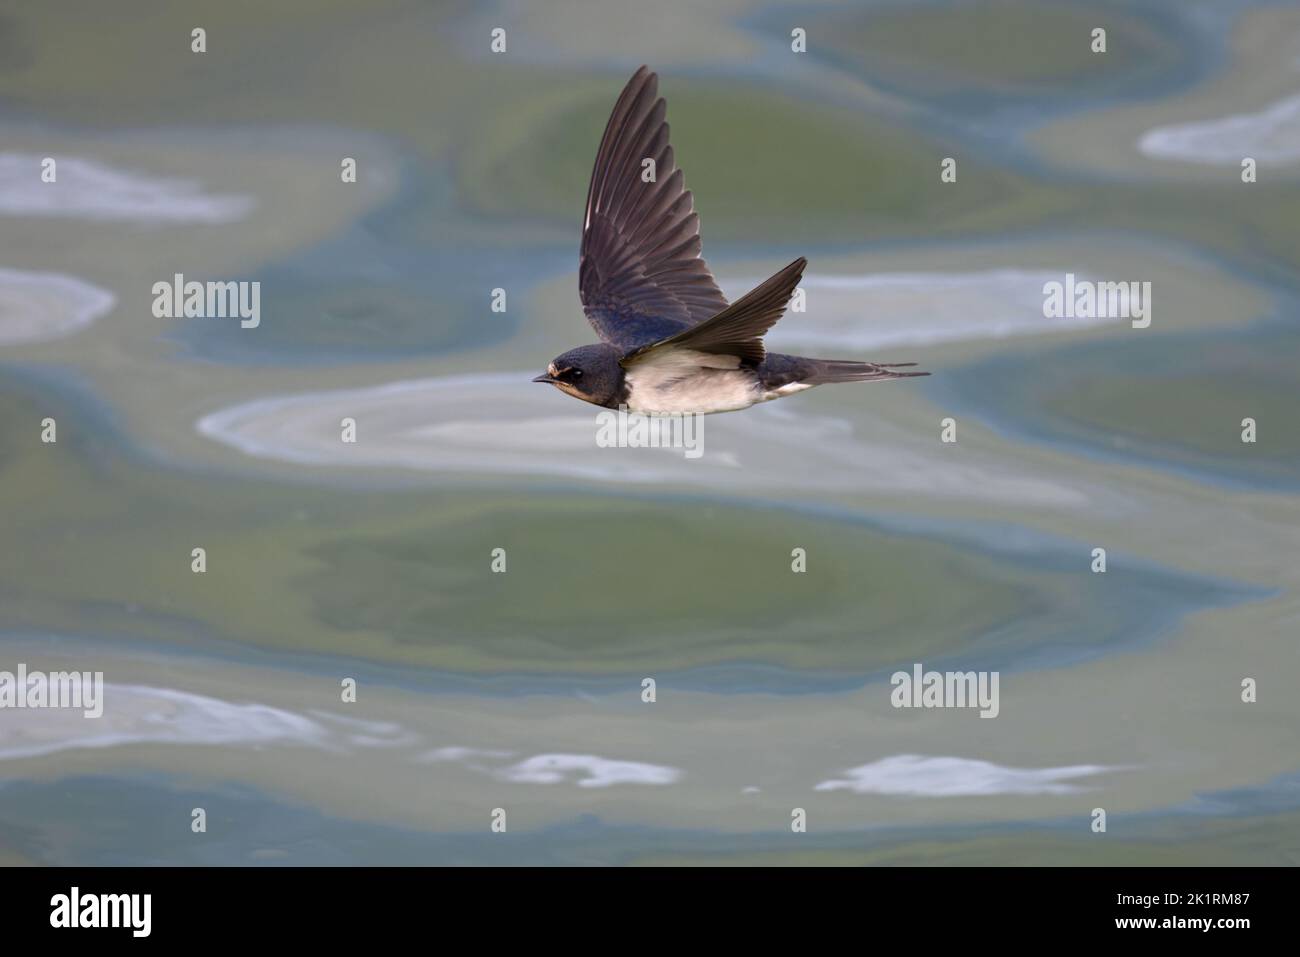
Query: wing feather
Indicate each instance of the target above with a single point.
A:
(640, 274)
(739, 329)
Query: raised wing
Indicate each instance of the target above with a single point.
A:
(640, 274)
(738, 330)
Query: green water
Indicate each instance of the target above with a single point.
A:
(526, 689)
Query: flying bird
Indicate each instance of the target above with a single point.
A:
(671, 343)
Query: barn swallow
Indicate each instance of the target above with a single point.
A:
(671, 343)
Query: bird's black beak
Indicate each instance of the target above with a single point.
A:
(544, 377)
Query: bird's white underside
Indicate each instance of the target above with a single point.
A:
(669, 380)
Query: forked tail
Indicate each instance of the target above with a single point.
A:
(822, 371)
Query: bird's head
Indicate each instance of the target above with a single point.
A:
(590, 373)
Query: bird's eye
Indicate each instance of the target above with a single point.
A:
(577, 373)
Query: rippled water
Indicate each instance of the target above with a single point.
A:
(523, 692)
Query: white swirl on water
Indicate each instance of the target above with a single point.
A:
(1269, 136)
(889, 310)
(140, 714)
(36, 306)
(137, 714)
(502, 424)
(914, 775)
(88, 189)
(587, 771)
